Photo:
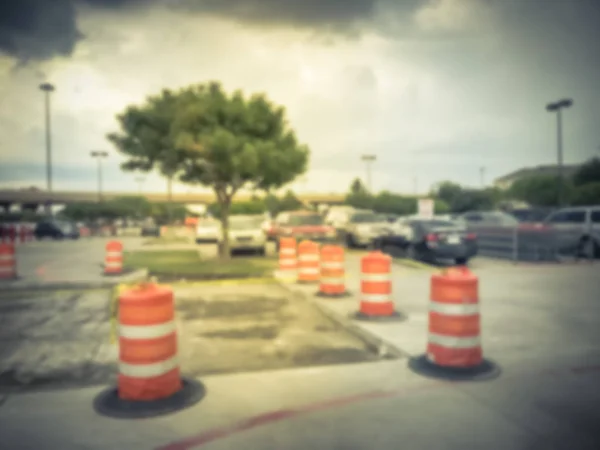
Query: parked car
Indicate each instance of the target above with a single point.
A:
(150, 228)
(430, 240)
(338, 216)
(304, 225)
(488, 218)
(246, 233)
(531, 215)
(208, 231)
(363, 227)
(576, 230)
(56, 229)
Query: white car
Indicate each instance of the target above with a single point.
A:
(246, 233)
(208, 231)
(363, 227)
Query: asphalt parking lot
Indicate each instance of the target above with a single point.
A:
(540, 323)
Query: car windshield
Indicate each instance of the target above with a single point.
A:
(245, 223)
(305, 219)
(367, 218)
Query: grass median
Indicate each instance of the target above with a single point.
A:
(187, 264)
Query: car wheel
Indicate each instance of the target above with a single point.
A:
(461, 261)
(588, 248)
(392, 251)
(350, 241)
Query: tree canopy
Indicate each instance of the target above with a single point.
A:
(207, 137)
(589, 172)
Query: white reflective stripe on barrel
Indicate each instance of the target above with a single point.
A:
(148, 370)
(375, 277)
(454, 341)
(375, 298)
(335, 281)
(113, 264)
(287, 262)
(147, 331)
(5, 257)
(309, 270)
(332, 265)
(113, 254)
(287, 251)
(454, 309)
(302, 257)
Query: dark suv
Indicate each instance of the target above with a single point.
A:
(56, 229)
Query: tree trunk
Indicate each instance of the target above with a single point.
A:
(224, 251)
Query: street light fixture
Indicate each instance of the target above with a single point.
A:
(99, 154)
(47, 89)
(368, 160)
(557, 107)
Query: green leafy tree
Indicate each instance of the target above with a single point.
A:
(230, 142)
(390, 203)
(586, 194)
(538, 190)
(589, 172)
(145, 137)
(357, 187)
(289, 202)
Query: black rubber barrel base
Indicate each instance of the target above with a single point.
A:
(108, 403)
(342, 295)
(394, 317)
(487, 370)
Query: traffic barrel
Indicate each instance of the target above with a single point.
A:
(149, 382)
(308, 262)
(113, 264)
(332, 280)
(8, 262)
(288, 264)
(454, 341)
(376, 301)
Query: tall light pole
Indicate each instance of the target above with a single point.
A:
(557, 108)
(47, 89)
(99, 154)
(368, 160)
(482, 176)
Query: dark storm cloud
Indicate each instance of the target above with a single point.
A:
(42, 29)
(314, 13)
(37, 29)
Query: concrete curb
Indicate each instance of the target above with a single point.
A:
(374, 342)
(108, 283)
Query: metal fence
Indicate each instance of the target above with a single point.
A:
(522, 243)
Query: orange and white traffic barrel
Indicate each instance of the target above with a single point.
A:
(149, 381)
(454, 339)
(376, 300)
(332, 280)
(113, 263)
(148, 367)
(288, 264)
(8, 262)
(308, 262)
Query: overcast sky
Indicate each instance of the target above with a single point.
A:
(436, 89)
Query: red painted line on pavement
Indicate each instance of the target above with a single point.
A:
(217, 433)
(279, 415)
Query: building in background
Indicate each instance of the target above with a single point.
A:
(506, 181)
